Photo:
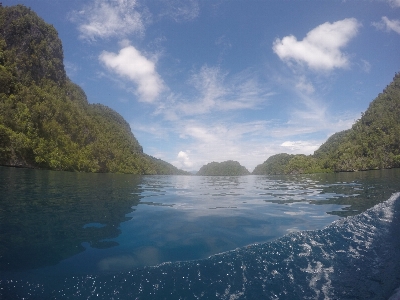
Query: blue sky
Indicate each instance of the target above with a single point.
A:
(203, 81)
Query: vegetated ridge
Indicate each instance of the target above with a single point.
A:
(373, 142)
(46, 120)
(226, 168)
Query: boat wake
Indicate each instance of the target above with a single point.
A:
(354, 258)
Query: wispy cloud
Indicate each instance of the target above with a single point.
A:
(303, 85)
(180, 10)
(131, 64)
(71, 68)
(108, 18)
(321, 48)
(394, 3)
(365, 66)
(388, 25)
(300, 147)
(200, 140)
(215, 92)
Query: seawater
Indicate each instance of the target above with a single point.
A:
(111, 236)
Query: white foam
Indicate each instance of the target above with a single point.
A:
(396, 295)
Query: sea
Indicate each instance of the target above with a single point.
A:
(66, 235)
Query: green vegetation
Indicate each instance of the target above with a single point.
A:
(46, 120)
(284, 163)
(274, 165)
(372, 143)
(226, 168)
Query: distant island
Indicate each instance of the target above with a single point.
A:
(372, 143)
(226, 168)
(46, 120)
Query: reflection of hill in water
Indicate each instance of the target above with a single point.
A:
(45, 216)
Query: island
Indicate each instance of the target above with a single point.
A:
(225, 168)
(46, 120)
(373, 142)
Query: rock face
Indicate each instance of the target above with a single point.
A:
(46, 120)
(226, 168)
(34, 47)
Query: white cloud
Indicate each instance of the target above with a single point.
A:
(213, 92)
(199, 133)
(209, 82)
(108, 18)
(305, 86)
(321, 48)
(388, 25)
(71, 68)
(180, 10)
(131, 64)
(300, 147)
(184, 160)
(251, 143)
(365, 66)
(394, 3)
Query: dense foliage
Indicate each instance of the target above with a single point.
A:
(274, 165)
(373, 142)
(284, 163)
(226, 168)
(46, 120)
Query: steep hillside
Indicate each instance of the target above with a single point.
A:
(46, 120)
(274, 165)
(226, 168)
(373, 142)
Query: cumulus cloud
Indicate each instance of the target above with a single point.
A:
(108, 18)
(133, 65)
(184, 160)
(388, 25)
(321, 48)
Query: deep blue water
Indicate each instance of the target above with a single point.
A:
(109, 236)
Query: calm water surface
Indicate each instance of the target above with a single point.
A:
(66, 233)
(72, 222)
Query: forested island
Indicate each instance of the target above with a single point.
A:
(46, 120)
(225, 168)
(373, 142)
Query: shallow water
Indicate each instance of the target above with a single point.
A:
(66, 234)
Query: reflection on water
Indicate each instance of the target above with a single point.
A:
(74, 222)
(45, 216)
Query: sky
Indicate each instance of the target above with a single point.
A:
(202, 81)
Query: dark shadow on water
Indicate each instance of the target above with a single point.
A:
(45, 216)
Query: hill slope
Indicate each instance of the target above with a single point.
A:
(226, 168)
(373, 142)
(46, 120)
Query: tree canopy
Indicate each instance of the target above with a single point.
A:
(226, 168)
(46, 120)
